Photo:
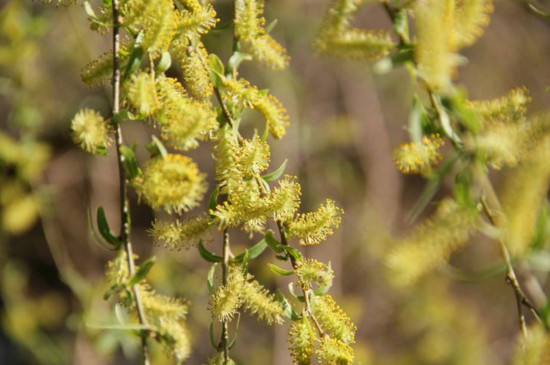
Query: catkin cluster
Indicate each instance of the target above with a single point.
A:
(163, 34)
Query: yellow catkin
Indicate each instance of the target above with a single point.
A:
(197, 20)
(156, 19)
(333, 351)
(333, 319)
(302, 340)
(266, 104)
(312, 228)
(435, 44)
(415, 158)
(511, 108)
(430, 244)
(91, 131)
(471, 16)
(142, 94)
(260, 302)
(223, 155)
(534, 349)
(249, 29)
(252, 156)
(173, 183)
(523, 196)
(285, 198)
(180, 234)
(100, 70)
(19, 215)
(183, 121)
(314, 272)
(337, 38)
(195, 72)
(228, 298)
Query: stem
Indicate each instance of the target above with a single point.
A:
(225, 271)
(225, 111)
(124, 205)
(490, 203)
(305, 290)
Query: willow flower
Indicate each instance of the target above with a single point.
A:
(180, 234)
(183, 121)
(302, 340)
(312, 228)
(91, 131)
(415, 158)
(333, 319)
(436, 43)
(333, 351)
(430, 244)
(142, 93)
(173, 183)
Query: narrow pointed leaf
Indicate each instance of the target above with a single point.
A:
(208, 255)
(272, 176)
(104, 229)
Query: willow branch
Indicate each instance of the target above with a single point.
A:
(224, 344)
(490, 201)
(124, 205)
(305, 290)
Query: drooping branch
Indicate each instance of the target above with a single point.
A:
(123, 186)
(224, 344)
(489, 199)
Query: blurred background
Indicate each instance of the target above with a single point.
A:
(345, 121)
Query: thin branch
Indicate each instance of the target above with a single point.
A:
(305, 290)
(224, 344)
(124, 205)
(490, 203)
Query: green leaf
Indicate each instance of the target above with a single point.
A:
(213, 201)
(236, 59)
(104, 229)
(253, 252)
(89, 10)
(212, 339)
(271, 26)
(123, 116)
(234, 341)
(142, 272)
(279, 271)
(210, 279)
(217, 70)
(285, 304)
(130, 162)
(401, 23)
(297, 255)
(156, 148)
(294, 294)
(134, 61)
(110, 292)
(96, 238)
(272, 242)
(415, 121)
(164, 63)
(272, 176)
(245, 261)
(207, 255)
